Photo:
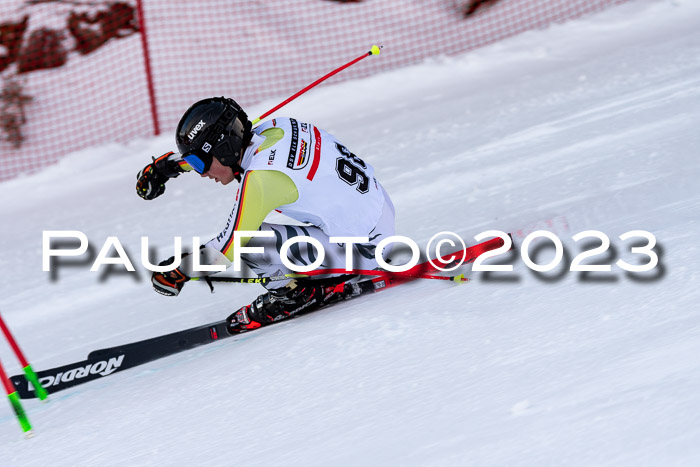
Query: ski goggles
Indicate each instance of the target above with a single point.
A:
(199, 164)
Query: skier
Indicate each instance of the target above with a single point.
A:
(292, 167)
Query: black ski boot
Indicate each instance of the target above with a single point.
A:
(279, 304)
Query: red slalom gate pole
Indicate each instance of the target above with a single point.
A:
(424, 270)
(16, 404)
(373, 51)
(371, 272)
(419, 271)
(28, 370)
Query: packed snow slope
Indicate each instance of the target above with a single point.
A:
(591, 125)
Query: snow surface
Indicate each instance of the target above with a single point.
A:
(589, 125)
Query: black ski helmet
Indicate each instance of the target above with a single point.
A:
(214, 127)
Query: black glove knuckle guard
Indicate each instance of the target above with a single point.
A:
(169, 283)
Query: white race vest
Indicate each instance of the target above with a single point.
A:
(337, 190)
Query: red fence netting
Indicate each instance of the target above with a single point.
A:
(75, 73)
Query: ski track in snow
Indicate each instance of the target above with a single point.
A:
(591, 125)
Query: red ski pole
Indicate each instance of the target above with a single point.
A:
(373, 51)
(16, 404)
(28, 370)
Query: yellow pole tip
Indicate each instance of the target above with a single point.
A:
(375, 50)
(460, 279)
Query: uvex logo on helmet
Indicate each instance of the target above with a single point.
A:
(196, 129)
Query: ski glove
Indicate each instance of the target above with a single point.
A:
(151, 179)
(169, 283)
(150, 184)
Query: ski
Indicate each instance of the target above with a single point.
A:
(104, 362)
